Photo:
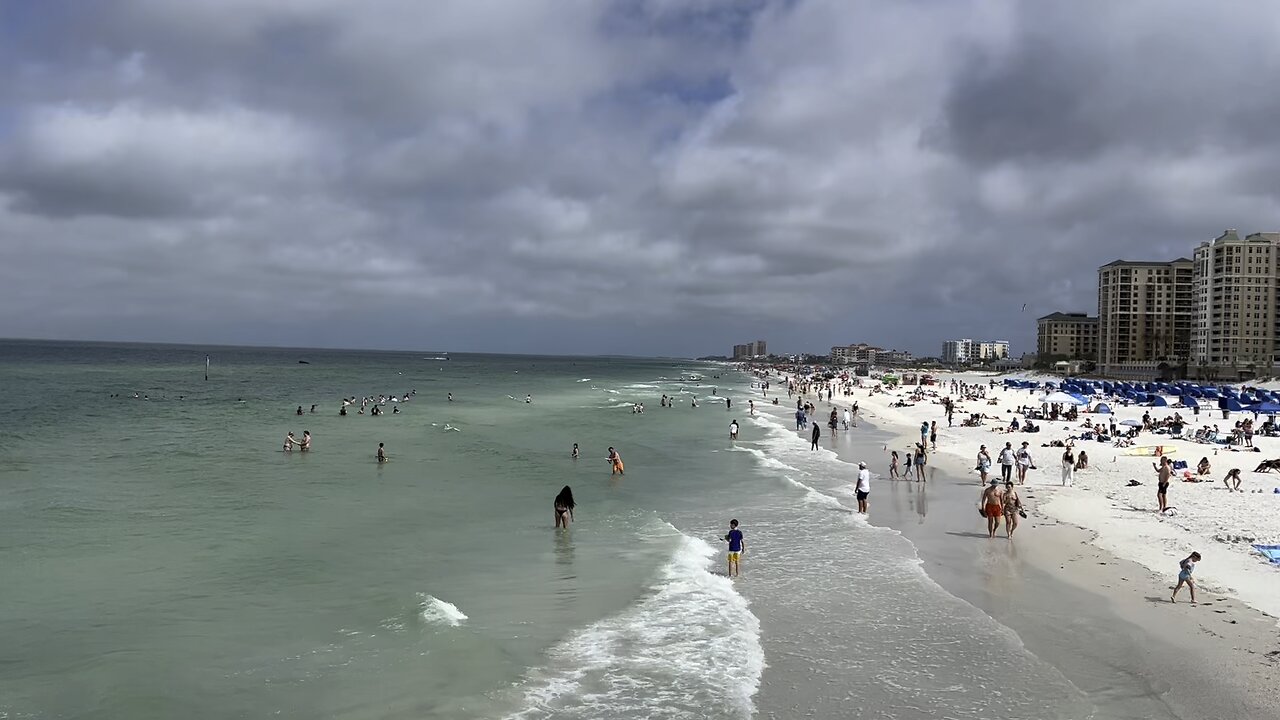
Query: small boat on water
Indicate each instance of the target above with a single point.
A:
(441, 356)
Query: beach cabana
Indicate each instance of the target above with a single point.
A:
(1102, 408)
(1270, 407)
(1190, 401)
(1229, 403)
(1157, 400)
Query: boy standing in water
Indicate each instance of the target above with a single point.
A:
(737, 546)
(382, 453)
(1187, 567)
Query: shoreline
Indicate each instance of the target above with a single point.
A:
(1103, 620)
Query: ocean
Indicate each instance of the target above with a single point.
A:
(162, 557)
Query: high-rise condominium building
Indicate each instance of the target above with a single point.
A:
(959, 352)
(1235, 290)
(1145, 314)
(1072, 336)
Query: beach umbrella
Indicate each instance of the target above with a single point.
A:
(1061, 398)
(1189, 401)
(1131, 423)
(1157, 401)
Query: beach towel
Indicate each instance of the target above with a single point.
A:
(1270, 552)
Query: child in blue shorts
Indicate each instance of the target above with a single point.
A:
(1187, 567)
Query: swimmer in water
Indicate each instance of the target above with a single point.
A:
(299, 409)
(616, 460)
(306, 440)
(450, 397)
(382, 453)
(564, 505)
(289, 440)
(528, 398)
(313, 409)
(574, 454)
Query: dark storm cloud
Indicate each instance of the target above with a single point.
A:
(644, 176)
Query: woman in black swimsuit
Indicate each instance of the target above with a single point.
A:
(564, 507)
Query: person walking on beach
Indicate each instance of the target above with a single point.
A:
(924, 432)
(813, 440)
(1068, 466)
(992, 504)
(1006, 462)
(564, 505)
(733, 430)
(922, 457)
(846, 419)
(1012, 509)
(933, 435)
(1185, 568)
(910, 454)
(1025, 463)
(1162, 486)
(893, 465)
(616, 461)
(382, 453)
(1233, 476)
(737, 546)
(984, 464)
(864, 487)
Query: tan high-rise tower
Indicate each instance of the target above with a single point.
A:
(1235, 286)
(1145, 313)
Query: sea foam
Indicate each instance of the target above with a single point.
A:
(690, 642)
(435, 611)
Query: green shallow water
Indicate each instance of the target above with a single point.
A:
(164, 558)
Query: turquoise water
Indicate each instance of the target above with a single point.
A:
(163, 558)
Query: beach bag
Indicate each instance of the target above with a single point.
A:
(982, 511)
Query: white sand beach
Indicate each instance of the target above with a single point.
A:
(1222, 525)
(1085, 583)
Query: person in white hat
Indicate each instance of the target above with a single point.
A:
(864, 487)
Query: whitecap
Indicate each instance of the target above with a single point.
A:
(435, 611)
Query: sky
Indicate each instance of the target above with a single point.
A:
(645, 177)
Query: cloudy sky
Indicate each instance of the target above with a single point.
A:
(647, 177)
